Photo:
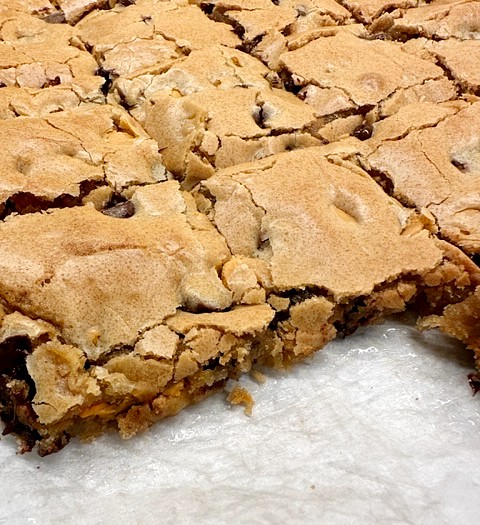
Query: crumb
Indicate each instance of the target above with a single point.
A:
(241, 396)
(258, 376)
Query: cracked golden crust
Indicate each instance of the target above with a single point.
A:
(177, 21)
(214, 67)
(215, 128)
(288, 18)
(62, 155)
(27, 6)
(436, 168)
(366, 71)
(370, 10)
(37, 55)
(317, 224)
(441, 19)
(103, 282)
(131, 314)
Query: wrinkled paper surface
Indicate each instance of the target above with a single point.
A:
(380, 428)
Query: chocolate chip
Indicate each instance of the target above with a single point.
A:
(364, 132)
(108, 81)
(57, 17)
(259, 116)
(53, 82)
(474, 382)
(12, 355)
(460, 165)
(124, 210)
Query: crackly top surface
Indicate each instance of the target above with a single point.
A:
(50, 158)
(317, 224)
(36, 55)
(301, 129)
(439, 169)
(102, 280)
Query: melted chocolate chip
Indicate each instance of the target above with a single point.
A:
(12, 355)
(474, 382)
(364, 132)
(460, 165)
(108, 81)
(53, 82)
(124, 210)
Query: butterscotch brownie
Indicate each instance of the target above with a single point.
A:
(269, 28)
(364, 73)
(440, 19)
(59, 11)
(369, 11)
(149, 22)
(116, 311)
(121, 316)
(36, 7)
(459, 59)
(189, 189)
(213, 108)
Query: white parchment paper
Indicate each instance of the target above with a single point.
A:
(378, 428)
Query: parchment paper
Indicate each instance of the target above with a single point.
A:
(378, 428)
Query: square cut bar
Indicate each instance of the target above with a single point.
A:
(88, 154)
(111, 320)
(44, 67)
(329, 247)
(268, 28)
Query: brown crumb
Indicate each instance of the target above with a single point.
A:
(241, 396)
(258, 376)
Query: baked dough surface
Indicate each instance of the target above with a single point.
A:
(191, 189)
